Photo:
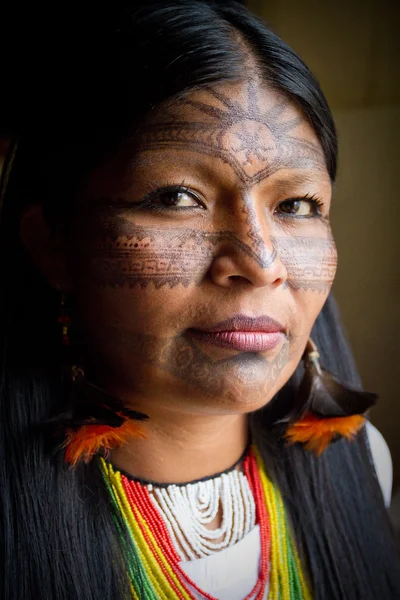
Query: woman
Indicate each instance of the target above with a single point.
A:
(167, 215)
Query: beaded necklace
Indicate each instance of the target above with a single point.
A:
(158, 560)
(189, 509)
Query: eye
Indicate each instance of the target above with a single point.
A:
(177, 198)
(166, 199)
(300, 207)
(171, 198)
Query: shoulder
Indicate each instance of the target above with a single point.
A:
(382, 461)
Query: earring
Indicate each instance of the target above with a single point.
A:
(96, 420)
(64, 319)
(327, 409)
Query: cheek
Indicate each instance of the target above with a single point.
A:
(310, 262)
(126, 255)
(133, 278)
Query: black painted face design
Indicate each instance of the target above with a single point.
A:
(254, 139)
(221, 209)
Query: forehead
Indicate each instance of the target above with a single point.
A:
(254, 130)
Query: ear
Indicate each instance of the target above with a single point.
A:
(47, 249)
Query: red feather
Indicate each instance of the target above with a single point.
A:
(317, 433)
(85, 442)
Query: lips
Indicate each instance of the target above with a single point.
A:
(247, 334)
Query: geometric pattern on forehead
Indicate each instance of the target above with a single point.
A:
(255, 143)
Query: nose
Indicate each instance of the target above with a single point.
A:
(246, 254)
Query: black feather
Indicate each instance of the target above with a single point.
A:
(92, 405)
(322, 394)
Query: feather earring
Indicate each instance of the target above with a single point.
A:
(108, 425)
(326, 409)
(95, 420)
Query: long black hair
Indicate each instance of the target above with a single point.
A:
(77, 91)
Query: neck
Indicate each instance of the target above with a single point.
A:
(182, 448)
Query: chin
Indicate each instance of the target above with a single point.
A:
(238, 399)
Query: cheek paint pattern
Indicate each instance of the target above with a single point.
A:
(129, 255)
(233, 377)
(310, 262)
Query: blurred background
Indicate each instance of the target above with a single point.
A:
(354, 50)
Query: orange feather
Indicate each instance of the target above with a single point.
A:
(317, 433)
(85, 442)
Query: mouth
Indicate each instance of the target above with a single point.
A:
(247, 334)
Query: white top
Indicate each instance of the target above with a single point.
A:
(229, 574)
(232, 573)
(382, 461)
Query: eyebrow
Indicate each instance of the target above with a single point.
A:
(292, 179)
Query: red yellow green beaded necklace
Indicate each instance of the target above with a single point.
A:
(159, 567)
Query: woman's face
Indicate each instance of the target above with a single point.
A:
(204, 252)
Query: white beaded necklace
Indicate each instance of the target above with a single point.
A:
(188, 508)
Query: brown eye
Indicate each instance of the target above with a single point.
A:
(297, 208)
(178, 199)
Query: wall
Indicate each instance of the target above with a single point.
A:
(354, 49)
